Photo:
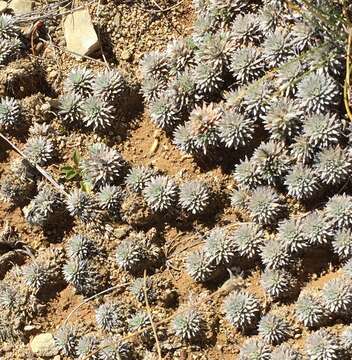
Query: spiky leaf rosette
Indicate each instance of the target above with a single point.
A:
(189, 324)
(286, 352)
(88, 344)
(305, 36)
(109, 85)
(309, 310)
(269, 18)
(10, 112)
(137, 289)
(8, 28)
(234, 129)
(83, 277)
(302, 182)
(70, 110)
(302, 151)
(287, 77)
(291, 237)
(246, 29)
(203, 25)
(13, 189)
(160, 193)
(9, 48)
(246, 65)
(113, 348)
(274, 329)
(272, 161)
(316, 229)
(203, 123)
(327, 59)
(217, 49)
(183, 89)
(257, 97)
(66, 340)
(82, 205)
(241, 310)
(322, 130)
(164, 111)
(337, 295)
(39, 150)
(79, 81)
(346, 339)
(338, 211)
(209, 79)
(194, 197)
(138, 177)
(151, 89)
(42, 206)
(277, 48)
(41, 130)
(277, 283)
(131, 254)
(181, 55)
(247, 240)
(334, 165)
(201, 7)
(347, 269)
(36, 275)
(239, 199)
(265, 206)
(224, 11)
(199, 266)
(9, 298)
(109, 197)
(247, 174)
(274, 255)
(81, 247)
(155, 65)
(184, 139)
(255, 349)
(109, 317)
(102, 165)
(342, 244)
(322, 345)
(282, 119)
(219, 246)
(97, 113)
(139, 321)
(317, 93)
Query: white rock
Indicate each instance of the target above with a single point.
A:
(80, 35)
(44, 345)
(21, 7)
(3, 6)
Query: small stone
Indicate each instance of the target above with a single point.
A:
(125, 55)
(21, 7)
(3, 6)
(44, 345)
(79, 32)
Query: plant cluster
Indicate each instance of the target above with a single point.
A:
(182, 85)
(10, 42)
(44, 207)
(90, 99)
(137, 252)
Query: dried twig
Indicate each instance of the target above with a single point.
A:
(168, 8)
(150, 315)
(92, 298)
(50, 11)
(39, 168)
(346, 88)
(50, 44)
